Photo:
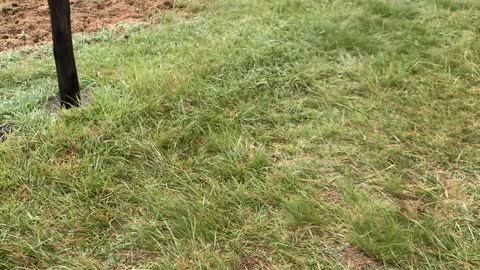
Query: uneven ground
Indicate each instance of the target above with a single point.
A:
(281, 134)
(27, 22)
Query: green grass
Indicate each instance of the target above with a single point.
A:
(280, 134)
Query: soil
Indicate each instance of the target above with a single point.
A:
(356, 259)
(53, 103)
(254, 263)
(27, 22)
(4, 131)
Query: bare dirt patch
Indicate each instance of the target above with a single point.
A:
(27, 22)
(356, 259)
(254, 263)
(53, 106)
(4, 131)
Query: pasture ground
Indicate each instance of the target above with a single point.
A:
(276, 134)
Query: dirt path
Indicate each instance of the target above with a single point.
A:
(27, 22)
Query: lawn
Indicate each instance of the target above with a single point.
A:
(245, 134)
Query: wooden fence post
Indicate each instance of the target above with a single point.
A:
(63, 52)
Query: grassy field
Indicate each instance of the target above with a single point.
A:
(245, 134)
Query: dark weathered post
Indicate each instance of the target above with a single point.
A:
(63, 52)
